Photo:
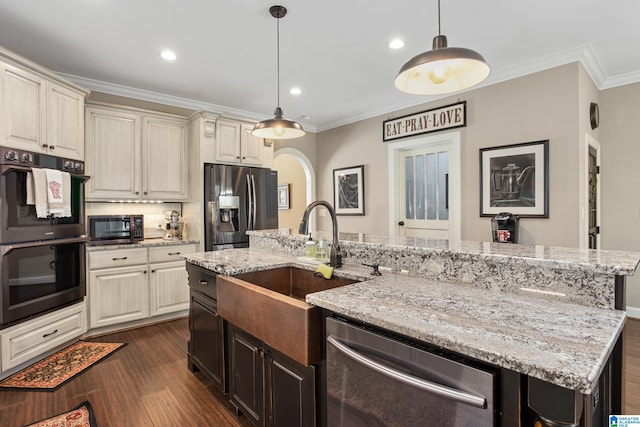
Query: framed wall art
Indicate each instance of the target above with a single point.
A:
(283, 196)
(348, 190)
(515, 178)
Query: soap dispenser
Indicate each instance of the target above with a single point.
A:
(310, 248)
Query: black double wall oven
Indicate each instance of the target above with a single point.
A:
(42, 264)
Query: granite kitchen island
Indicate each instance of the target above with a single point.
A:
(542, 315)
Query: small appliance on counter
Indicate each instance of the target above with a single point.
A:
(504, 227)
(174, 226)
(115, 229)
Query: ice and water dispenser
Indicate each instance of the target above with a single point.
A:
(228, 207)
(504, 227)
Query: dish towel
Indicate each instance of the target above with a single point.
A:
(40, 192)
(51, 192)
(55, 198)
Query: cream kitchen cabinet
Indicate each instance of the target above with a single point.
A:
(169, 289)
(235, 144)
(135, 155)
(135, 284)
(40, 114)
(32, 339)
(118, 286)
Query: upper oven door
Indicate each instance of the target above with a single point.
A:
(19, 220)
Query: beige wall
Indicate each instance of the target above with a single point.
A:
(535, 107)
(290, 172)
(620, 141)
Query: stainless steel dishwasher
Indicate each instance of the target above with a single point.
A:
(375, 379)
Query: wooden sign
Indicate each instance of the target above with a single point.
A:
(447, 117)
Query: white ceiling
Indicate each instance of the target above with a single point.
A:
(334, 50)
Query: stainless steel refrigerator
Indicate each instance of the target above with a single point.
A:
(237, 199)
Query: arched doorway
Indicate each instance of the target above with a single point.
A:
(295, 169)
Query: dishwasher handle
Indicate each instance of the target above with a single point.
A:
(431, 387)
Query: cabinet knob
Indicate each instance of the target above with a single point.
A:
(145, 193)
(244, 157)
(51, 147)
(203, 282)
(137, 192)
(237, 157)
(45, 145)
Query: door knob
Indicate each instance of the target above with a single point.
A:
(401, 223)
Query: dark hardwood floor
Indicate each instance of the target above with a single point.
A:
(147, 383)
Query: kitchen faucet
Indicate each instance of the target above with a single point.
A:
(335, 257)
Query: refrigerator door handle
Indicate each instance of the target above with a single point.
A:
(255, 202)
(249, 204)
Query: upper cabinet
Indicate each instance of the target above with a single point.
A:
(235, 144)
(41, 114)
(135, 155)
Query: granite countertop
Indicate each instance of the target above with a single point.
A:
(146, 243)
(562, 343)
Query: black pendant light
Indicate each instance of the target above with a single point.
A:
(278, 127)
(442, 70)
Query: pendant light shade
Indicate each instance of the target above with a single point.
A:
(278, 127)
(442, 70)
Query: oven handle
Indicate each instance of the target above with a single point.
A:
(437, 389)
(11, 168)
(7, 248)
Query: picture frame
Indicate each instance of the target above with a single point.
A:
(348, 190)
(515, 178)
(283, 196)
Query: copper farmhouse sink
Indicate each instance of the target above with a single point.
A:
(270, 305)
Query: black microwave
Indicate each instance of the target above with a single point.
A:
(115, 229)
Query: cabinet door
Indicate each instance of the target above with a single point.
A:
(251, 147)
(164, 159)
(206, 343)
(118, 295)
(227, 142)
(23, 109)
(65, 122)
(246, 374)
(113, 155)
(292, 392)
(169, 288)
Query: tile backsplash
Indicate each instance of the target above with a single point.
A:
(154, 213)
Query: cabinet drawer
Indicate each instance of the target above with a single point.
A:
(203, 281)
(28, 340)
(170, 253)
(117, 258)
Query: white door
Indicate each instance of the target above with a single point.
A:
(427, 188)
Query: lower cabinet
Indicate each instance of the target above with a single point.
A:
(31, 339)
(206, 344)
(268, 387)
(205, 350)
(127, 285)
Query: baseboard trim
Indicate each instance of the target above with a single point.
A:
(633, 312)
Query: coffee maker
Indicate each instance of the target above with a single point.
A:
(504, 227)
(174, 226)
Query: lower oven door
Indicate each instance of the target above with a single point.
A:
(376, 380)
(40, 276)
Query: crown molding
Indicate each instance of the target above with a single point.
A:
(161, 98)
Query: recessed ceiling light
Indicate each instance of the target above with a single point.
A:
(396, 44)
(295, 91)
(168, 55)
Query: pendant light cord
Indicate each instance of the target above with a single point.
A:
(278, 56)
(439, 31)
